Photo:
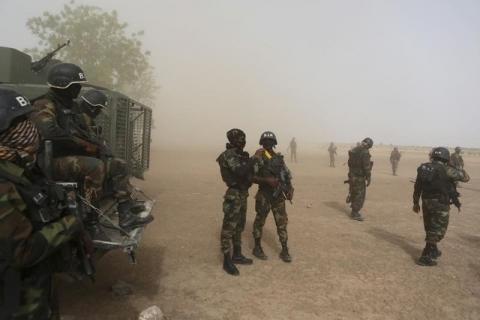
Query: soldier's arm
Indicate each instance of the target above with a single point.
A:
(417, 190)
(240, 165)
(29, 247)
(366, 165)
(457, 174)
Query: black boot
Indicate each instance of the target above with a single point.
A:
(426, 258)
(258, 251)
(436, 253)
(129, 220)
(356, 216)
(284, 255)
(238, 257)
(228, 265)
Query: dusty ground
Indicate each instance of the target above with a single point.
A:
(342, 269)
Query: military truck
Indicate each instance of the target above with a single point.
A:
(126, 127)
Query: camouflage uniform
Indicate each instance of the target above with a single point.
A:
(435, 200)
(394, 160)
(30, 245)
(265, 200)
(74, 156)
(236, 173)
(456, 160)
(360, 169)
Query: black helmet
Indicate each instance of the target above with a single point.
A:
(62, 75)
(12, 106)
(368, 142)
(234, 135)
(441, 154)
(458, 149)
(96, 99)
(268, 135)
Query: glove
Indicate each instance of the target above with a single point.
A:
(369, 180)
(416, 208)
(290, 194)
(272, 182)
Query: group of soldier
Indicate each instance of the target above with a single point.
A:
(435, 185)
(37, 223)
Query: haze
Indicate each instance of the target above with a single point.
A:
(403, 72)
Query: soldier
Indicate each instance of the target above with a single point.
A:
(292, 147)
(274, 187)
(435, 184)
(456, 159)
(359, 176)
(117, 177)
(31, 230)
(74, 157)
(236, 170)
(395, 159)
(332, 151)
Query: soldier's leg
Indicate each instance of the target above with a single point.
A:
(262, 208)
(237, 256)
(35, 297)
(435, 218)
(231, 210)
(281, 221)
(357, 197)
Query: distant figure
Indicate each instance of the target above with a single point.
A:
(292, 147)
(332, 150)
(395, 159)
(456, 159)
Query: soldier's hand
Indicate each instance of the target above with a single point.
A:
(290, 194)
(272, 181)
(416, 208)
(369, 180)
(91, 149)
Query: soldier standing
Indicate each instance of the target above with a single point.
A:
(292, 147)
(456, 159)
(359, 176)
(274, 187)
(31, 228)
(332, 151)
(236, 172)
(435, 185)
(395, 159)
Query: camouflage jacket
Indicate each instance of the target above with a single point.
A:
(456, 160)
(359, 163)
(440, 184)
(235, 168)
(27, 244)
(266, 164)
(395, 156)
(59, 121)
(332, 149)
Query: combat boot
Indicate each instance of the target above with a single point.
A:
(229, 266)
(284, 255)
(258, 251)
(129, 220)
(238, 257)
(426, 258)
(356, 216)
(436, 253)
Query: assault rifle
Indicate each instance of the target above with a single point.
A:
(37, 66)
(281, 172)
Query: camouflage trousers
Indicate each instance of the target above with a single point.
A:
(264, 202)
(118, 177)
(235, 215)
(332, 160)
(88, 171)
(35, 298)
(358, 191)
(435, 219)
(394, 166)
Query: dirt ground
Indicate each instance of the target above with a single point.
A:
(341, 269)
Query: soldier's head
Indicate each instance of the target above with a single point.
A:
(66, 79)
(94, 102)
(458, 150)
(19, 138)
(395, 148)
(236, 138)
(440, 154)
(268, 140)
(367, 143)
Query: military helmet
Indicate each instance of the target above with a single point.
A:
(268, 135)
(12, 106)
(233, 135)
(368, 142)
(96, 99)
(62, 75)
(440, 153)
(458, 149)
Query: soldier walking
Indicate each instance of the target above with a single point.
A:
(274, 187)
(395, 159)
(435, 185)
(359, 176)
(236, 172)
(292, 147)
(332, 151)
(456, 159)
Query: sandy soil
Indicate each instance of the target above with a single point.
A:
(342, 269)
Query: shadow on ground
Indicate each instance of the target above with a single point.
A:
(400, 241)
(337, 206)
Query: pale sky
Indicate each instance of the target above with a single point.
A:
(402, 72)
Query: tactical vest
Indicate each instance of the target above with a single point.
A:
(355, 162)
(435, 182)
